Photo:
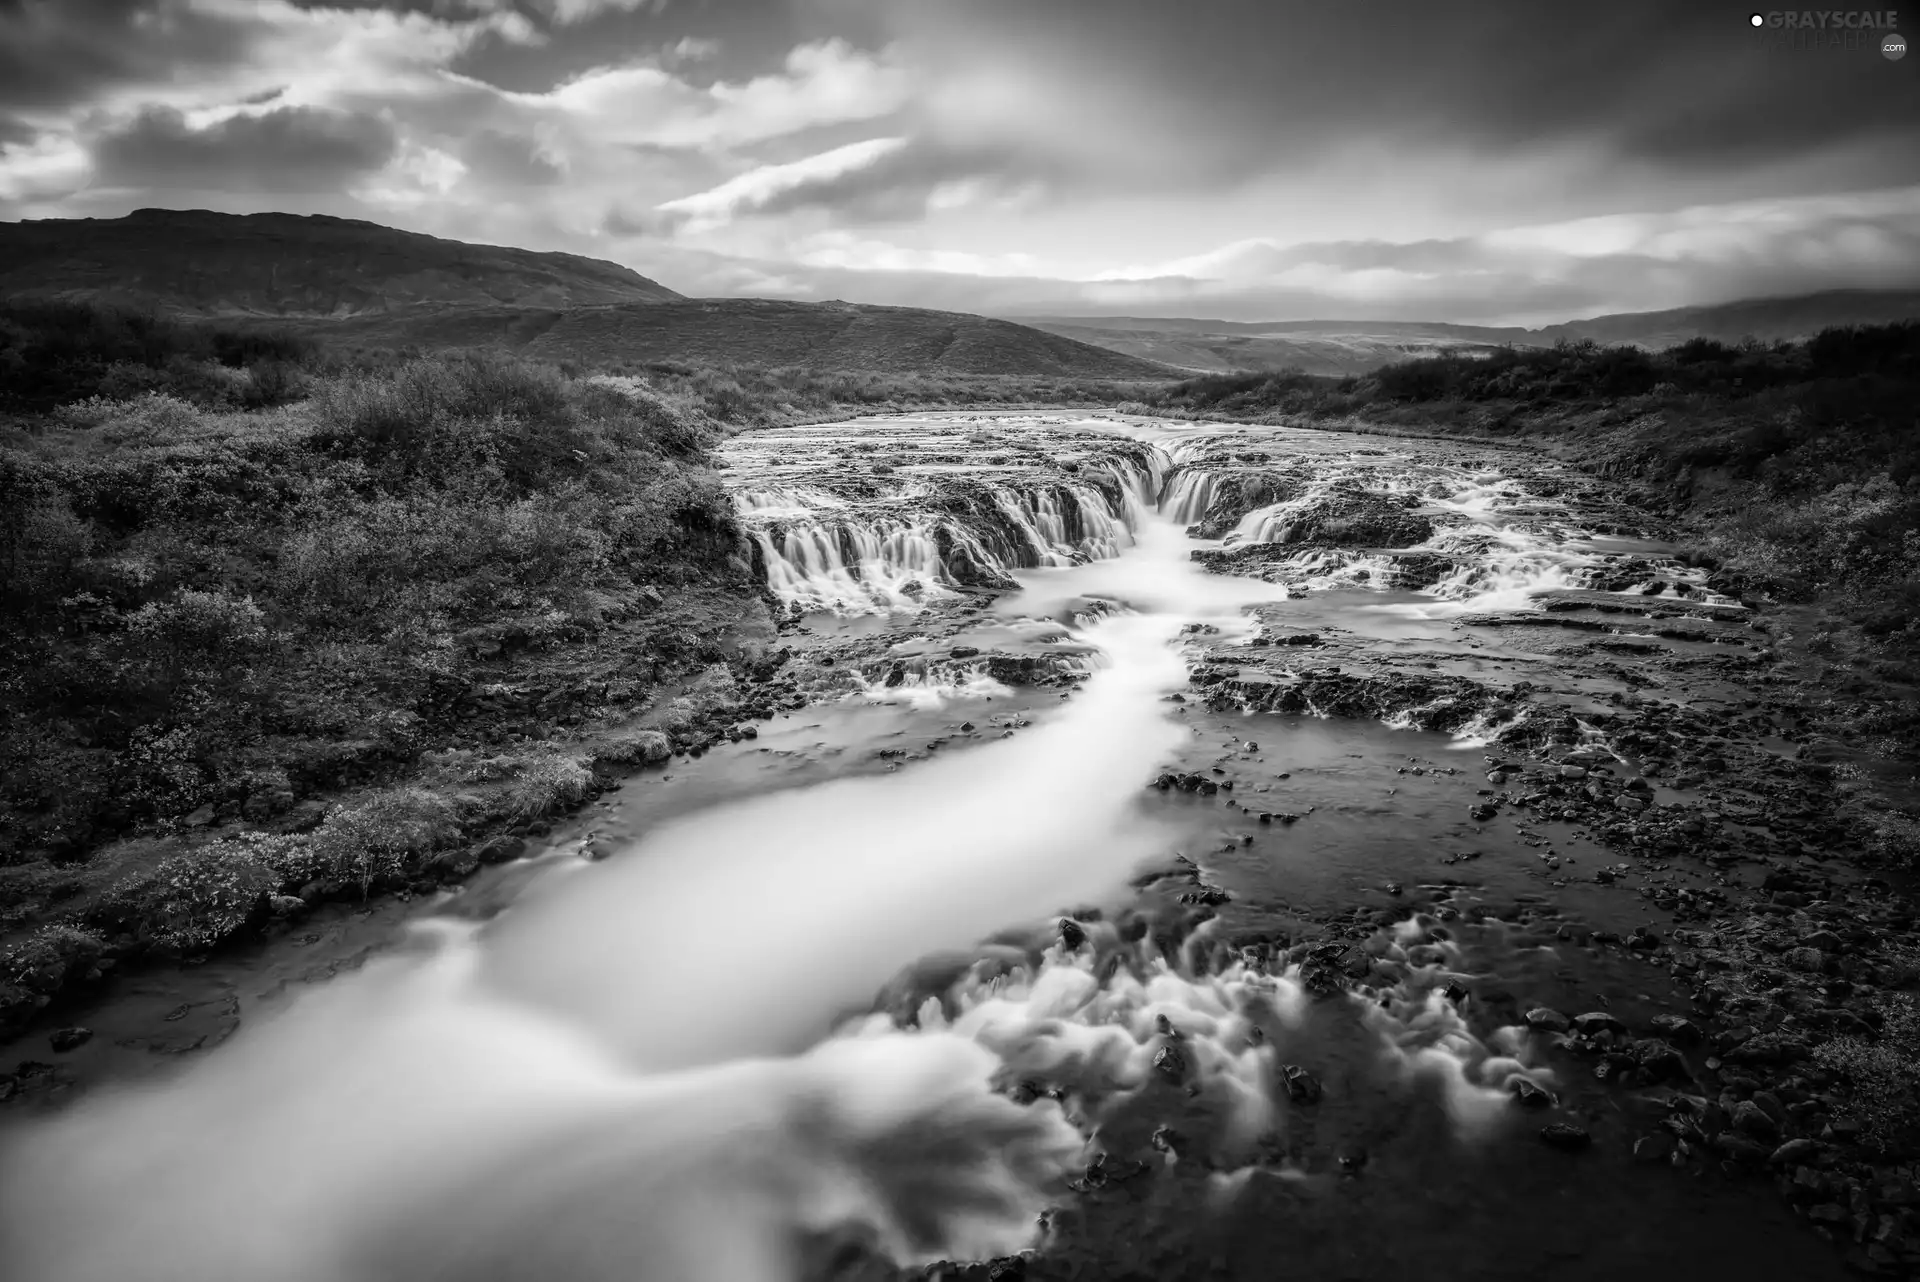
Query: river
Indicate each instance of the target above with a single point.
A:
(1135, 896)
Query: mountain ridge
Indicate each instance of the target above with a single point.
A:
(199, 262)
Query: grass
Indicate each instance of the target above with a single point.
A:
(225, 613)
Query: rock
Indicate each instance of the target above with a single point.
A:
(966, 725)
(1565, 1135)
(1302, 1086)
(1807, 960)
(963, 651)
(1545, 1020)
(1796, 1152)
(1676, 1028)
(1657, 1060)
(1573, 772)
(1529, 1094)
(1483, 812)
(1170, 1063)
(1629, 803)
(1741, 1149)
(199, 818)
(1107, 1169)
(66, 1039)
(1750, 1119)
(500, 850)
(1595, 1022)
(1009, 1268)
(1072, 934)
(1167, 1139)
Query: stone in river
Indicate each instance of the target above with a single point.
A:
(1595, 1022)
(1546, 1020)
(1565, 1135)
(1529, 1094)
(1302, 1086)
(66, 1039)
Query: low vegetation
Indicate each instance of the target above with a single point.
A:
(249, 585)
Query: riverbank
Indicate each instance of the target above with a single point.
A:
(295, 626)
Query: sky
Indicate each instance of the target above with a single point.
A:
(1496, 162)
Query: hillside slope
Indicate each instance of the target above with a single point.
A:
(1342, 347)
(193, 262)
(753, 331)
(1315, 347)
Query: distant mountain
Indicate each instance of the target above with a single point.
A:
(1767, 319)
(1318, 347)
(373, 285)
(196, 263)
(753, 331)
(1354, 347)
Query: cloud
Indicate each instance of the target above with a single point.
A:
(789, 185)
(824, 83)
(283, 149)
(1522, 275)
(571, 11)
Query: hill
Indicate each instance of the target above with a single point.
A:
(763, 332)
(1317, 347)
(343, 280)
(192, 262)
(1340, 347)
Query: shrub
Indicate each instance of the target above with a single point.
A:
(378, 840)
(637, 747)
(546, 780)
(41, 543)
(194, 900)
(1884, 1076)
(35, 968)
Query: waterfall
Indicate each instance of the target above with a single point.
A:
(819, 551)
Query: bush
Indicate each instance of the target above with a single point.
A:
(1883, 1076)
(637, 747)
(545, 780)
(36, 968)
(195, 900)
(379, 840)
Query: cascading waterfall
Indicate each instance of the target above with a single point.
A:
(819, 553)
(1189, 494)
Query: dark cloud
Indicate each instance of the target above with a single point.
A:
(288, 149)
(63, 53)
(1215, 89)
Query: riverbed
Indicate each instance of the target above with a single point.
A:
(1193, 852)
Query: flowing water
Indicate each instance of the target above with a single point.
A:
(819, 1017)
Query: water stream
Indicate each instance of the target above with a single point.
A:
(673, 1063)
